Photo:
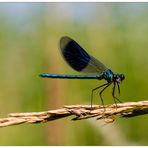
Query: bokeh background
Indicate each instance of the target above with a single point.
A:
(115, 33)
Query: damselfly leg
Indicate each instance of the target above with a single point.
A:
(92, 92)
(113, 93)
(100, 94)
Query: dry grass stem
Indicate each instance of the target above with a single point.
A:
(111, 112)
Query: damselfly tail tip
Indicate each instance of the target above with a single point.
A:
(42, 75)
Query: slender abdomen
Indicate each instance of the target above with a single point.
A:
(63, 76)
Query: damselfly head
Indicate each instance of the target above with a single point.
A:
(119, 78)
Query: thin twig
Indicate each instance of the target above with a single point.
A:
(124, 110)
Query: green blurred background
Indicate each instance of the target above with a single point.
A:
(115, 33)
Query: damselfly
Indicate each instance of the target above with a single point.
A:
(81, 61)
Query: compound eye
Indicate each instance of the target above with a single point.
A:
(122, 77)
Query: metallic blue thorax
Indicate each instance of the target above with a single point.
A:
(108, 75)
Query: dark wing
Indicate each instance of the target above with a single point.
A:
(78, 58)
